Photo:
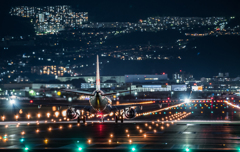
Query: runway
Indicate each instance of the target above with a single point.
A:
(176, 129)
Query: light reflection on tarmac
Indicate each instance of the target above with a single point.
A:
(200, 129)
(127, 121)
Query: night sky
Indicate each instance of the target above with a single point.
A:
(216, 54)
(133, 10)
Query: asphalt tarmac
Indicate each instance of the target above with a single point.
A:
(193, 127)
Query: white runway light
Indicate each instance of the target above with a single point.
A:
(70, 99)
(12, 101)
(187, 100)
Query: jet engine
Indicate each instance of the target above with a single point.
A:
(130, 113)
(71, 114)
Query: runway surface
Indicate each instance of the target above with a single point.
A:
(186, 128)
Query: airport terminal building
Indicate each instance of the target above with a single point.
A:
(145, 78)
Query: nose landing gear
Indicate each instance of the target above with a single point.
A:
(102, 119)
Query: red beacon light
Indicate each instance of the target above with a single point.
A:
(31, 101)
(232, 98)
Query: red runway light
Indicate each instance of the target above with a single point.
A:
(31, 101)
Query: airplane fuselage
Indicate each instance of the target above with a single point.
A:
(100, 104)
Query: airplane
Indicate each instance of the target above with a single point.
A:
(100, 104)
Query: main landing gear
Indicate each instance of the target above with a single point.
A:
(83, 118)
(120, 117)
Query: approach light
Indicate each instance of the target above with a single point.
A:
(45, 141)
(80, 148)
(48, 114)
(28, 116)
(26, 148)
(187, 149)
(56, 113)
(133, 149)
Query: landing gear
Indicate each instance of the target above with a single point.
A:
(83, 118)
(102, 119)
(118, 118)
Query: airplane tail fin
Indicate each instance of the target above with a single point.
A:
(97, 75)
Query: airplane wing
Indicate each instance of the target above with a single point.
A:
(86, 107)
(79, 92)
(126, 105)
(113, 93)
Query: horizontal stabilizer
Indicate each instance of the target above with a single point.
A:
(79, 92)
(113, 93)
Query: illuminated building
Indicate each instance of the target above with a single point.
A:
(51, 70)
(50, 19)
(145, 78)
